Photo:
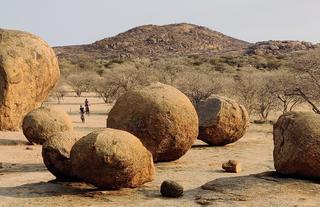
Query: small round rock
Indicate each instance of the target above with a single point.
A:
(171, 189)
(232, 166)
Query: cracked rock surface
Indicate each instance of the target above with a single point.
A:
(296, 137)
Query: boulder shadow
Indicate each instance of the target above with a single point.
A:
(17, 167)
(13, 142)
(196, 146)
(45, 189)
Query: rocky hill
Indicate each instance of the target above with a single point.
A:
(152, 41)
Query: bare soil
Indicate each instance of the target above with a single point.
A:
(25, 181)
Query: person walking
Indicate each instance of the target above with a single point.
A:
(82, 114)
(86, 105)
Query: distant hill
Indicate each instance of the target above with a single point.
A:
(152, 41)
(195, 44)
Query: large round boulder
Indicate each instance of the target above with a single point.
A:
(56, 154)
(28, 71)
(221, 120)
(161, 116)
(296, 137)
(112, 159)
(40, 124)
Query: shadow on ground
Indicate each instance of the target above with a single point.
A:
(12, 142)
(45, 189)
(57, 189)
(16, 167)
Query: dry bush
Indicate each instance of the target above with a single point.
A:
(82, 81)
(255, 93)
(117, 81)
(198, 85)
(307, 67)
(263, 92)
(282, 84)
(60, 92)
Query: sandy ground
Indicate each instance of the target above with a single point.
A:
(25, 181)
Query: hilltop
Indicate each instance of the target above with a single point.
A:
(152, 41)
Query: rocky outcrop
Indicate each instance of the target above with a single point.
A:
(221, 120)
(296, 137)
(264, 189)
(274, 47)
(112, 159)
(28, 71)
(42, 123)
(161, 116)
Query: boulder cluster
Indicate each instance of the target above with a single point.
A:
(163, 127)
(108, 159)
(156, 123)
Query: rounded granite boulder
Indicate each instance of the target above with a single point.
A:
(161, 116)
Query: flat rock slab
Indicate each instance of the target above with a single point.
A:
(263, 189)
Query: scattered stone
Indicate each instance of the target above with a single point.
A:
(161, 116)
(296, 137)
(232, 166)
(29, 148)
(42, 123)
(171, 189)
(56, 154)
(221, 120)
(28, 71)
(112, 159)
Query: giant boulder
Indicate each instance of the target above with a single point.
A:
(296, 137)
(221, 120)
(112, 159)
(28, 71)
(161, 116)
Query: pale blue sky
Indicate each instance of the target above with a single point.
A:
(65, 22)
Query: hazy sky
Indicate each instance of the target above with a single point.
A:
(65, 22)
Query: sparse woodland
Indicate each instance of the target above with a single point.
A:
(261, 83)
